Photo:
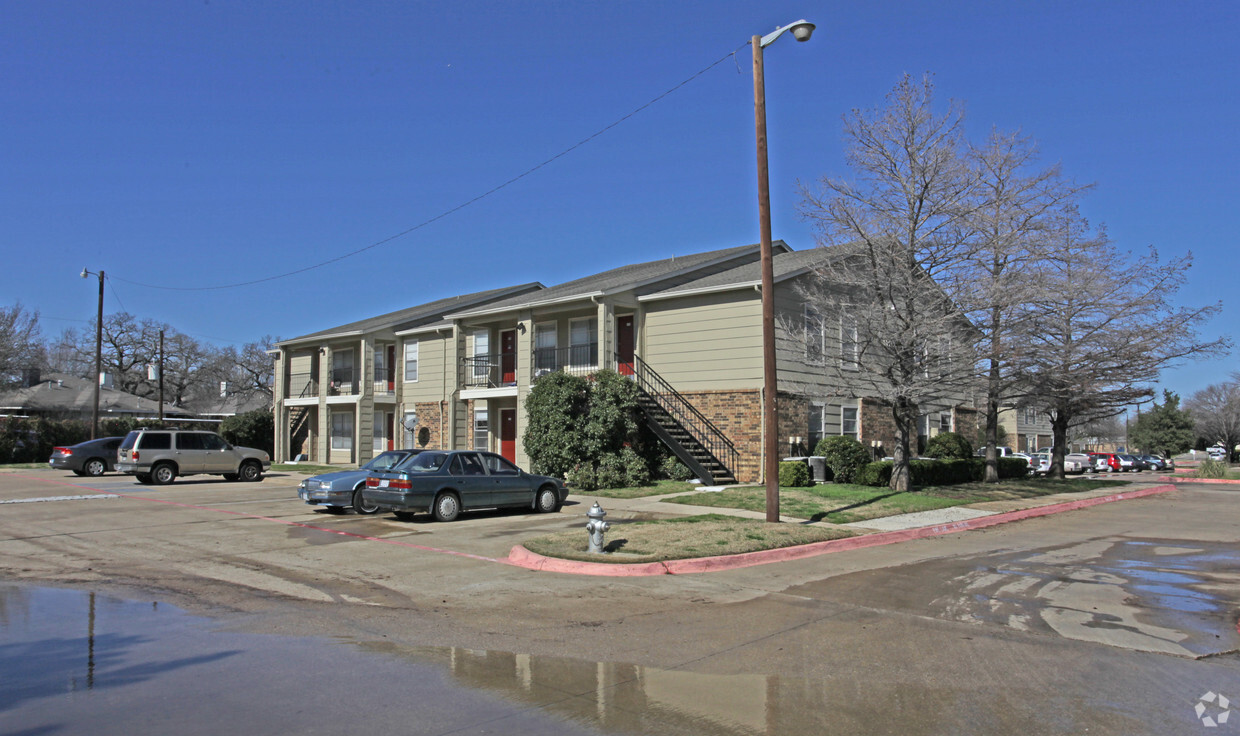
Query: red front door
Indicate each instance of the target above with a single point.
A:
(391, 374)
(508, 434)
(624, 345)
(391, 427)
(508, 357)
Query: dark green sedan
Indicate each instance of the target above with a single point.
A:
(446, 482)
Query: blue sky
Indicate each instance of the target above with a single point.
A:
(198, 145)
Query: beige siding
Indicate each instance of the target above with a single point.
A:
(436, 369)
(706, 342)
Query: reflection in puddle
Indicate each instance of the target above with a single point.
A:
(84, 663)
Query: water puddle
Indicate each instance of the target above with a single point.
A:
(80, 662)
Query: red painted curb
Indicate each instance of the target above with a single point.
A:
(522, 557)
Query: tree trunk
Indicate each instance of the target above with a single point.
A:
(905, 415)
(1059, 433)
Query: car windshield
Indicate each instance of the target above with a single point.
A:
(423, 462)
(386, 461)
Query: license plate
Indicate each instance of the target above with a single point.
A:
(383, 482)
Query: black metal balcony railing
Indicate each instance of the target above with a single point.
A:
(578, 360)
(492, 370)
(343, 382)
(385, 381)
(302, 385)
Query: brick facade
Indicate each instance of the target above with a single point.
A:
(431, 416)
(738, 414)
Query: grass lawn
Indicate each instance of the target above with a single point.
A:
(658, 488)
(843, 503)
(676, 539)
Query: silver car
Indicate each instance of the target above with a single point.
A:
(342, 489)
(160, 455)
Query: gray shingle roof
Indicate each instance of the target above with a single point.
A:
(62, 393)
(420, 315)
(784, 265)
(641, 278)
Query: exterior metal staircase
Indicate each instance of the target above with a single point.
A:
(678, 424)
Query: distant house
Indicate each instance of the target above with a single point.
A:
(687, 329)
(61, 396)
(229, 402)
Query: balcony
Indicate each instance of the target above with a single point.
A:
(493, 370)
(577, 360)
(301, 386)
(385, 382)
(343, 383)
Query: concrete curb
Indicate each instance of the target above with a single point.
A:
(522, 557)
(1190, 479)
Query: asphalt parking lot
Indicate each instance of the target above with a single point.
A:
(1111, 617)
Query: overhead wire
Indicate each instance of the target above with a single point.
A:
(450, 211)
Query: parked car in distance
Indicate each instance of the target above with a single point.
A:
(1000, 451)
(1153, 462)
(1216, 452)
(1071, 464)
(92, 457)
(1105, 462)
(447, 482)
(342, 489)
(159, 455)
(1127, 463)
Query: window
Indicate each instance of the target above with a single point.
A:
(815, 335)
(816, 433)
(380, 430)
(482, 430)
(342, 368)
(848, 343)
(411, 361)
(583, 342)
(1031, 415)
(482, 354)
(342, 430)
(544, 348)
(189, 441)
(945, 421)
(848, 421)
(499, 466)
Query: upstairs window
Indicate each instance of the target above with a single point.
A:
(849, 351)
(411, 361)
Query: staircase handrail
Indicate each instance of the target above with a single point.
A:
(681, 409)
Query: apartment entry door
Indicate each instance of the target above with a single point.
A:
(508, 357)
(624, 345)
(508, 434)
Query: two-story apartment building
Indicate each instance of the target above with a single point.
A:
(455, 373)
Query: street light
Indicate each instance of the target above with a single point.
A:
(94, 414)
(801, 31)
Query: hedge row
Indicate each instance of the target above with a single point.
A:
(942, 472)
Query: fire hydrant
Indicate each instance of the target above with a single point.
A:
(596, 526)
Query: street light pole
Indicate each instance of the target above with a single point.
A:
(94, 414)
(801, 30)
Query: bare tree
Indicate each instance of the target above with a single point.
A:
(21, 347)
(899, 227)
(1216, 411)
(1091, 302)
(1014, 207)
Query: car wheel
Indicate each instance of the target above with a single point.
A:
(163, 474)
(144, 478)
(447, 507)
(250, 472)
(95, 467)
(404, 515)
(360, 505)
(547, 500)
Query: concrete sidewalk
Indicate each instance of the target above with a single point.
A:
(872, 532)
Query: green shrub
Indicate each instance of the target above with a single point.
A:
(1210, 468)
(1011, 467)
(583, 478)
(255, 429)
(876, 474)
(845, 456)
(636, 470)
(794, 474)
(674, 469)
(946, 445)
(554, 437)
(611, 472)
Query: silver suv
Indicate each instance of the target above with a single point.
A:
(159, 455)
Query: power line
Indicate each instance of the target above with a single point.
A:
(447, 212)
